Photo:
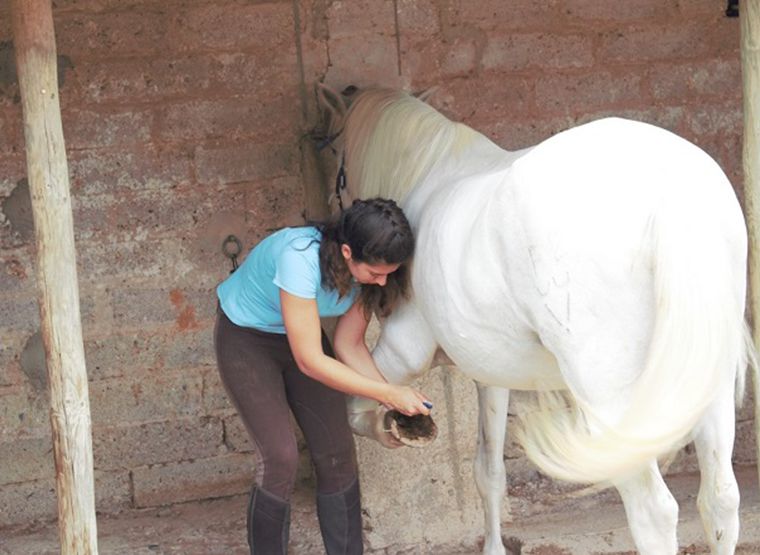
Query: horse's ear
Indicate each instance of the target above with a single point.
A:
(331, 101)
(427, 93)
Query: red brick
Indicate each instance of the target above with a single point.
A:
(26, 459)
(709, 119)
(745, 444)
(140, 214)
(17, 272)
(162, 396)
(347, 18)
(29, 502)
(20, 314)
(5, 21)
(129, 446)
(134, 307)
(236, 436)
(462, 57)
(685, 461)
(215, 399)
(23, 412)
(418, 18)
(369, 59)
(704, 9)
(517, 134)
(718, 77)
(663, 42)
(667, 117)
(671, 82)
(590, 12)
(496, 14)
(200, 479)
(275, 119)
(479, 101)
(245, 162)
(233, 26)
(148, 261)
(112, 34)
(578, 93)
(135, 168)
(537, 50)
(430, 62)
(89, 128)
(118, 354)
(423, 59)
(275, 204)
(12, 170)
(90, 6)
(747, 410)
(729, 156)
(11, 129)
(202, 75)
(10, 352)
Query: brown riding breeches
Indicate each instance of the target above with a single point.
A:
(264, 384)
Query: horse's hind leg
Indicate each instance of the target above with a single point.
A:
(490, 473)
(718, 499)
(652, 512)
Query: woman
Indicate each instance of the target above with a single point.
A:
(273, 356)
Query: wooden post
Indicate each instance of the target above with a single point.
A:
(749, 15)
(47, 170)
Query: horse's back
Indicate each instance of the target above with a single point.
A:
(601, 184)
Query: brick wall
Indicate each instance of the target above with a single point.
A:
(185, 120)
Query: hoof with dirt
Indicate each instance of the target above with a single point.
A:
(413, 431)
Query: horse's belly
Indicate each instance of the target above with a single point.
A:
(494, 359)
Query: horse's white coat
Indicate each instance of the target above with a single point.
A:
(608, 261)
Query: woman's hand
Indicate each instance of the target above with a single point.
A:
(406, 400)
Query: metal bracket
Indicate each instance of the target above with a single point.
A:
(233, 251)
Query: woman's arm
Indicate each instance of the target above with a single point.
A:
(304, 334)
(350, 346)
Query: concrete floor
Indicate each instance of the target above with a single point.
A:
(585, 526)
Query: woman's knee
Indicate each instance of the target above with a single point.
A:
(280, 467)
(335, 470)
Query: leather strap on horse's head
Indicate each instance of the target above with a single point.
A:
(340, 178)
(340, 181)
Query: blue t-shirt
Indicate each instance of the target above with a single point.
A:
(289, 260)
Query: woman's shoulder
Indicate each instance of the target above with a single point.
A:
(302, 237)
(302, 241)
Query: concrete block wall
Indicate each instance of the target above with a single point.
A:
(186, 120)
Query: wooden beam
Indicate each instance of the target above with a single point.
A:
(749, 15)
(58, 292)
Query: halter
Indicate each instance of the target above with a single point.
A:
(340, 179)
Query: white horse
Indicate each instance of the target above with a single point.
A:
(607, 262)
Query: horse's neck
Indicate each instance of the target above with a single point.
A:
(480, 158)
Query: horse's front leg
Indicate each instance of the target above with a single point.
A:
(403, 351)
(490, 472)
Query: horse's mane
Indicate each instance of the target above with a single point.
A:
(393, 141)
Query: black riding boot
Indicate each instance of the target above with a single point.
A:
(268, 523)
(340, 520)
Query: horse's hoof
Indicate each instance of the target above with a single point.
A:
(413, 431)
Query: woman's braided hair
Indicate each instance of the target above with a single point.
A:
(377, 232)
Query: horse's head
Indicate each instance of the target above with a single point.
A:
(345, 133)
(330, 145)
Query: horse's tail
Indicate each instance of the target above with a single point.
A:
(699, 344)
